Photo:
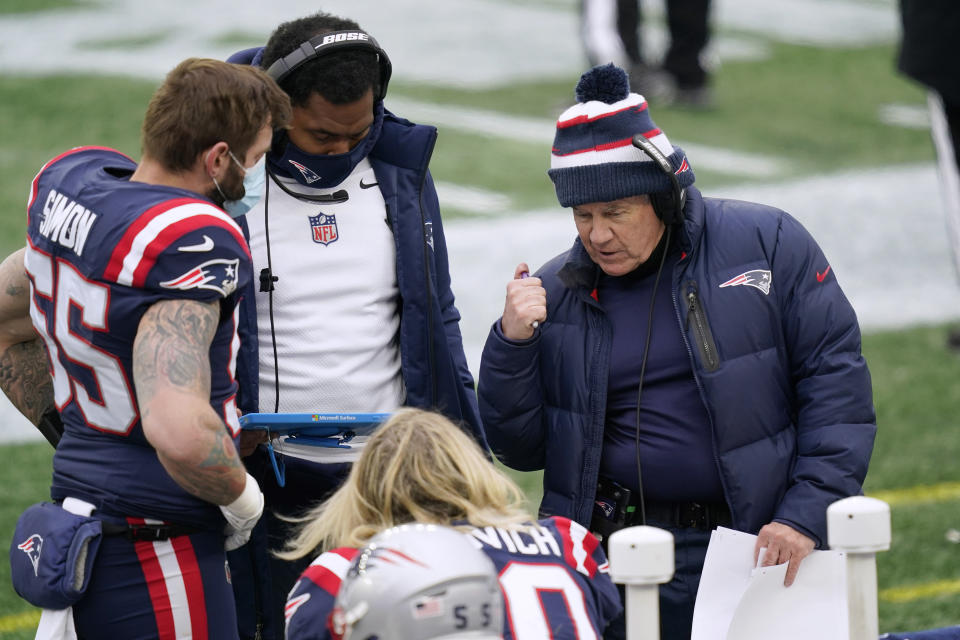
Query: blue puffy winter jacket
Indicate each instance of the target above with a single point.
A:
(777, 361)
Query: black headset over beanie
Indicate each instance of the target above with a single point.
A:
(594, 156)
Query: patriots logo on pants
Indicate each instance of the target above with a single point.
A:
(31, 546)
(324, 228)
(219, 275)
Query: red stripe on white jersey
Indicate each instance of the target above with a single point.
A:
(156, 229)
(578, 546)
(329, 569)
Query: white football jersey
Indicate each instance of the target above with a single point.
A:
(335, 304)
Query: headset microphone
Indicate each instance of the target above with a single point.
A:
(336, 197)
(668, 206)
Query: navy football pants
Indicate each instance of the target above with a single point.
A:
(175, 588)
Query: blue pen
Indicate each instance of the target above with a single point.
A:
(525, 274)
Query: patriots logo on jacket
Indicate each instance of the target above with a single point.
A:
(31, 546)
(757, 278)
(324, 228)
(219, 275)
(308, 174)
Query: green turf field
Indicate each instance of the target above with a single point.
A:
(916, 397)
(803, 104)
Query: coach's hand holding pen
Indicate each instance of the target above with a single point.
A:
(525, 307)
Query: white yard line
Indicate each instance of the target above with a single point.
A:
(472, 199)
(883, 230)
(493, 124)
(468, 42)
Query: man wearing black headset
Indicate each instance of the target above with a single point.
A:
(689, 363)
(353, 310)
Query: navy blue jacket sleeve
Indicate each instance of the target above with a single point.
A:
(511, 402)
(836, 423)
(450, 315)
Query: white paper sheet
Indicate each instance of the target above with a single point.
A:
(738, 602)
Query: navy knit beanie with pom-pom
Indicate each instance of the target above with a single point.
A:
(593, 157)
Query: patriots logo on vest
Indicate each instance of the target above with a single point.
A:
(324, 227)
(308, 174)
(757, 278)
(31, 546)
(219, 274)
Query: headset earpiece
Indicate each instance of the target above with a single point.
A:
(668, 205)
(665, 206)
(329, 43)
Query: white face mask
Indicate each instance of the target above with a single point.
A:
(254, 180)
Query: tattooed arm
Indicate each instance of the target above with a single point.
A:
(24, 370)
(171, 372)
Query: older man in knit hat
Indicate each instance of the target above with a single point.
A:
(688, 363)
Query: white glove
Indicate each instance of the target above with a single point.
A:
(242, 514)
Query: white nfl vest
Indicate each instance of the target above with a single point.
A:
(335, 305)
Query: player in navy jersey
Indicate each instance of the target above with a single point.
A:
(419, 582)
(133, 272)
(420, 468)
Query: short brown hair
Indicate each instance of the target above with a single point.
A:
(204, 101)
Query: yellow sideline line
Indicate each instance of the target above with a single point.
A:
(920, 494)
(921, 591)
(943, 492)
(20, 621)
(894, 595)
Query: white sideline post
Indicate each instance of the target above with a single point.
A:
(860, 527)
(641, 558)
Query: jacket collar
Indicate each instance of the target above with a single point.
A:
(404, 144)
(693, 217)
(578, 270)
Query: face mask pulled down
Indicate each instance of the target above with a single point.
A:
(254, 180)
(317, 170)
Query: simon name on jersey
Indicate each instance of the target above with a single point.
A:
(66, 221)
